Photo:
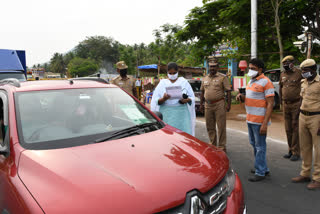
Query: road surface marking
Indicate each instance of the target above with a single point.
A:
(246, 133)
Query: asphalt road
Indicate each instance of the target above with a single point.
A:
(276, 194)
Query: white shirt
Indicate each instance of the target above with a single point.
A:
(138, 83)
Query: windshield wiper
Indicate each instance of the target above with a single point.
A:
(129, 132)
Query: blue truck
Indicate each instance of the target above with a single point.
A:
(13, 64)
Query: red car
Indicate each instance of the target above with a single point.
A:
(81, 146)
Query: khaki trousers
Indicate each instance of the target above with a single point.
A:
(291, 117)
(215, 115)
(308, 128)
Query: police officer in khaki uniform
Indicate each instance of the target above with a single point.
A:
(309, 125)
(290, 88)
(213, 90)
(123, 81)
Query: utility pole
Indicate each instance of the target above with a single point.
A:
(254, 27)
(309, 39)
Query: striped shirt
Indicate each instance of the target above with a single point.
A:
(257, 91)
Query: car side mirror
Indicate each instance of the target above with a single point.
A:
(159, 114)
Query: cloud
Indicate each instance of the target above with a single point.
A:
(43, 27)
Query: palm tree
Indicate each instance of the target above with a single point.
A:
(57, 64)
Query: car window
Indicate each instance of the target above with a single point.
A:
(273, 76)
(195, 86)
(57, 115)
(19, 76)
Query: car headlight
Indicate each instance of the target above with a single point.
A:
(230, 180)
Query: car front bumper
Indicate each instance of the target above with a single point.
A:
(236, 202)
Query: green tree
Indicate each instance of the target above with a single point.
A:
(167, 46)
(82, 67)
(128, 55)
(68, 57)
(276, 5)
(98, 48)
(57, 64)
(46, 67)
(228, 21)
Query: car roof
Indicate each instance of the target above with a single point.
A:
(193, 80)
(43, 85)
(273, 70)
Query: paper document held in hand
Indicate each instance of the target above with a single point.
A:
(175, 92)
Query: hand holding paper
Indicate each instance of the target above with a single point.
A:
(175, 92)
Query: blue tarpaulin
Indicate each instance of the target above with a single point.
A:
(153, 66)
(10, 61)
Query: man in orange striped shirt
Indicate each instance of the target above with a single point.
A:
(259, 100)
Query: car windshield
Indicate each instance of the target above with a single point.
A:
(19, 76)
(53, 118)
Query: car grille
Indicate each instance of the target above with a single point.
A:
(212, 202)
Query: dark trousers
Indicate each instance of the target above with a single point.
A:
(291, 116)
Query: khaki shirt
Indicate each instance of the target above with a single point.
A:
(127, 84)
(291, 84)
(310, 92)
(214, 87)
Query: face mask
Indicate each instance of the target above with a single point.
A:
(173, 77)
(252, 73)
(123, 72)
(307, 75)
(213, 72)
(286, 67)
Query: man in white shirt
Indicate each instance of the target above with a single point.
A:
(139, 87)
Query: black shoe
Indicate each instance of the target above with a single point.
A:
(287, 156)
(256, 178)
(295, 158)
(253, 171)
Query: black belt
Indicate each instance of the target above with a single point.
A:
(307, 113)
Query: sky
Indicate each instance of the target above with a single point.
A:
(43, 27)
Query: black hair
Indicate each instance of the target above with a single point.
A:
(126, 70)
(313, 67)
(172, 65)
(257, 62)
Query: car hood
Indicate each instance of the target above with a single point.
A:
(141, 174)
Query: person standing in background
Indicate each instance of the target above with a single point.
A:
(123, 81)
(309, 125)
(139, 87)
(259, 101)
(290, 87)
(213, 88)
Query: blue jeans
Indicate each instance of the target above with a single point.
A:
(259, 145)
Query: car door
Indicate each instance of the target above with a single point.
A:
(5, 160)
